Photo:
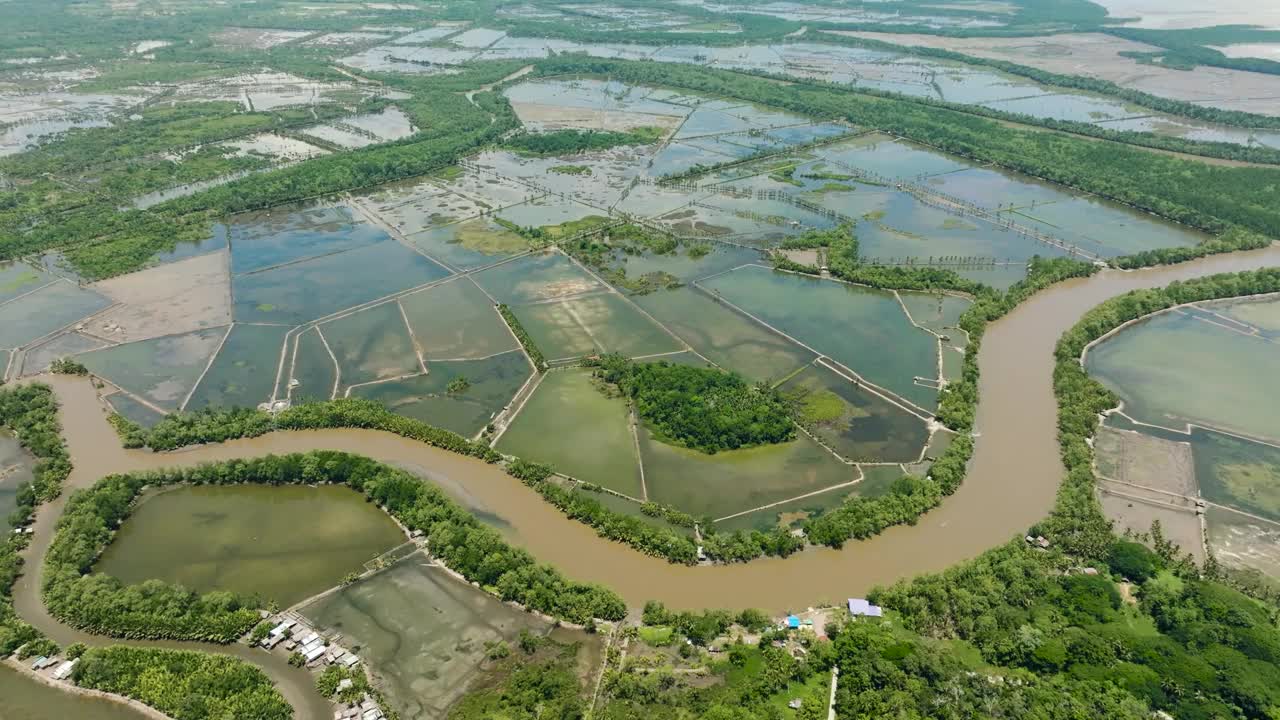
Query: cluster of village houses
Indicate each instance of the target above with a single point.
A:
(61, 669)
(295, 636)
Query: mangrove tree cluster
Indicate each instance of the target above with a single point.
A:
(700, 408)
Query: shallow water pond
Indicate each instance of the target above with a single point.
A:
(589, 438)
(161, 370)
(244, 372)
(490, 385)
(875, 337)
(1176, 368)
(456, 320)
(280, 543)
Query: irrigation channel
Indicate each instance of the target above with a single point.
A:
(1011, 484)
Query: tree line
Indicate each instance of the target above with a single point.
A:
(526, 340)
(183, 685)
(571, 142)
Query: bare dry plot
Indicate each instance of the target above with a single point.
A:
(175, 298)
(1145, 479)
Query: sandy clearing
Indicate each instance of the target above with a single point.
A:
(559, 117)
(176, 298)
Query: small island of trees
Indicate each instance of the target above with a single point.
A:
(699, 408)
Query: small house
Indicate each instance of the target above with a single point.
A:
(65, 669)
(860, 607)
(793, 622)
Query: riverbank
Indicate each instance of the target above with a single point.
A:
(66, 686)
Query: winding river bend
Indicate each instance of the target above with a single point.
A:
(1012, 482)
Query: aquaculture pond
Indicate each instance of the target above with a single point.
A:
(28, 699)
(456, 320)
(1193, 365)
(594, 324)
(279, 543)
(854, 422)
(424, 635)
(572, 425)
(243, 373)
(315, 286)
(32, 316)
(1193, 381)
(460, 395)
(724, 336)
(730, 482)
(162, 371)
(314, 375)
(545, 276)
(372, 345)
(875, 338)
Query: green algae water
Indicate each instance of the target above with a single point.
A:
(27, 699)
(282, 543)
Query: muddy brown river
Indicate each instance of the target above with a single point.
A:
(1011, 484)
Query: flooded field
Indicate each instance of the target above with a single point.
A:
(592, 441)
(459, 395)
(877, 339)
(1220, 420)
(278, 543)
(1194, 365)
(424, 635)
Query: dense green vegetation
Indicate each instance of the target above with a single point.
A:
(526, 341)
(1234, 240)
(154, 609)
(539, 682)
(1187, 645)
(569, 142)
(30, 412)
(699, 408)
(1189, 48)
(183, 685)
